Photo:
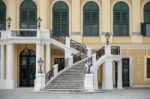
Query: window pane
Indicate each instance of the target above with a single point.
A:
(121, 19)
(2, 16)
(61, 18)
(28, 15)
(148, 67)
(91, 19)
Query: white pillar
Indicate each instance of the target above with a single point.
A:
(108, 75)
(107, 49)
(89, 82)
(119, 85)
(2, 62)
(89, 52)
(10, 81)
(42, 57)
(67, 53)
(37, 56)
(48, 59)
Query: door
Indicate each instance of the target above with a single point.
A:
(27, 68)
(125, 72)
(59, 61)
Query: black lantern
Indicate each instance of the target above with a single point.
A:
(107, 36)
(39, 20)
(9, 20)
(40, 62)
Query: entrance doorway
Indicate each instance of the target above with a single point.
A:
(125, 72)
(27, 68)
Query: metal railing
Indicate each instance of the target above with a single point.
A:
(59, 38)
(78, 46)
(115, 50)
(100, 53)
(24, 33)
(49, 75)
(64, 64)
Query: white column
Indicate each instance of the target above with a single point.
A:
(108, 75)
(2, 62)
(119, 85)
(10, 81)
(37, 56)
(67, 53)
(42, 56)
(48, 59)
(89, 52)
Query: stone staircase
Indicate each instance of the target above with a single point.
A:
(72, 78)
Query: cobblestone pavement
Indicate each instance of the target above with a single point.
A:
(26, 93)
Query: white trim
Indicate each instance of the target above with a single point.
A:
(142, 9)
(136, 86)
(51, 13)
(100, 17)
(130, 15)
(131, 69)
(145, 68)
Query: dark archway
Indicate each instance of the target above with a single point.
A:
(27, 68)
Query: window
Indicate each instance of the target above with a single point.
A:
(148, 67)
(121, 19)
(61, 19)
(91, 19)
(28, 15)
(145, 27)
(2, 16)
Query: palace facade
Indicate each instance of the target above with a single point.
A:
(57, 30)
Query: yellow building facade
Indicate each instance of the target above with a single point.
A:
(134, 47)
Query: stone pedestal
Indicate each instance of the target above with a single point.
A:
(88, 82)
(39, 82)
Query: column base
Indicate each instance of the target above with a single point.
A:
(88, 82)
(8, 84)
(107, 86)
(39, 82)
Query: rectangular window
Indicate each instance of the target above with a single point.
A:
(121, 23)
(145, 29)
(148, 67)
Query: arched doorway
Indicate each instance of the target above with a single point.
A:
(27, 68)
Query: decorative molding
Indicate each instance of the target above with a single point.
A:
(104, 33)
(136, 33)
(75, 33)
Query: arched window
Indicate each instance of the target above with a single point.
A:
(61, 19)
(28, 15)
(121, 19)
(91, 19)
(2, 16)
(147, 13)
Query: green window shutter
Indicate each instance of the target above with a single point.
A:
(91, 19)
(147, 19)
(121, 19)
(28, 15)
(148, 67)
(61, 19)
(2, 16)
(143, 29)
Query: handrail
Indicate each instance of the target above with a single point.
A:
(24, 33)
(115, 50)
(74, 44)
(65, 63)
(49, 75)
(100, 53)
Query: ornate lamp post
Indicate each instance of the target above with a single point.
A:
(9, 20)
(40, 62)
(39, 20)
(107, 36)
